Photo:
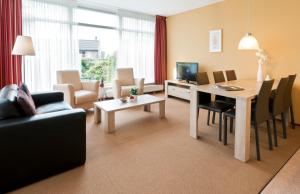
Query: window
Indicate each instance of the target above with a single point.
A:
(137, 45)
(98, 44)
(86, 16)
(94, 42)
(50, 25)
(109, 40)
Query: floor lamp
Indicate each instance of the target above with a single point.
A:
(24, 47)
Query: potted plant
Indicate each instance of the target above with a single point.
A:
(133, 94)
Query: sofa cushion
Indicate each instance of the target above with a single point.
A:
(83, 96)
(53, 107)
(26, 103)
(125, 76)
(9, 107)
(9, 92)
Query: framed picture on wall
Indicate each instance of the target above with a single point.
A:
(215, 41)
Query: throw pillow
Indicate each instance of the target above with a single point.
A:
(26, 90)
(26, 103)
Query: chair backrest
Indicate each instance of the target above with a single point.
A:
(262, 102)
(69, 77)
(230, 75)
(288, 92)
(219, 76)
(125, 76)
(278, 101)
(202, 79)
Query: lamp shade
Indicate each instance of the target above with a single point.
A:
(248, 42)
(23, 46)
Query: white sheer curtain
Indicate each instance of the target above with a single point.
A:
(50, 24)
(137, 44)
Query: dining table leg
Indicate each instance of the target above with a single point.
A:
(194, 113)
(242, 129)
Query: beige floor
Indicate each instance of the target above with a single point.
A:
(288, 178)
(149, 155)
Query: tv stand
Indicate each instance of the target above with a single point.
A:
(179, 89)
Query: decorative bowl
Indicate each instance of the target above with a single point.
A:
(123, 100)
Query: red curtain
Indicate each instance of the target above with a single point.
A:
(160, 50)
(10, 27)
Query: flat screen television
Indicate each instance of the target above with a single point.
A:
(186, 71)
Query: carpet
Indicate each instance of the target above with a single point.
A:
(149, 155)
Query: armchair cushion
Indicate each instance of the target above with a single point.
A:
(53, 107)
(139, 83)
(69, 77)
(125, 76)
(83, 96)
(91, 86)
(125, 90)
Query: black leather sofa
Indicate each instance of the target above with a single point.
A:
(39, 146)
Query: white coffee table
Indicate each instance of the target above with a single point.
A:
(109, 107)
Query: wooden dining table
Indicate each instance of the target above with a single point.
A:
(243, 111)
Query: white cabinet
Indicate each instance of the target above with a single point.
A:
(177, 89)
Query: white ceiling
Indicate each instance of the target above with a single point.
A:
(155, 7)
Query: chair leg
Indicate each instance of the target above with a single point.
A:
(208, 117)
(214, 118)
(275, 131)
(231, 125)
(283, 125)
(269, 135)
(257, 142)
(292, 117)
(220, 127)
(225, 130)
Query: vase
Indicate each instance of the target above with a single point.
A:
(133, 98)
(268, 78)
(260, 76)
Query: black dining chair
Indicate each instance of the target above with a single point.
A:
(277, 107)
(206, 103)
(288, 105)
(259, 115)
(219, 78)
(230, 75)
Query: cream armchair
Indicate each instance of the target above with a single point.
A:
(124, 81)
(77, 93)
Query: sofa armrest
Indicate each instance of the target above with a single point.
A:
(33, 148)
(91, 86)
(69, 92)
(139, 82)
(116, 88)
(47, 97)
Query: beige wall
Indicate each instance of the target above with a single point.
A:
(275, 23)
